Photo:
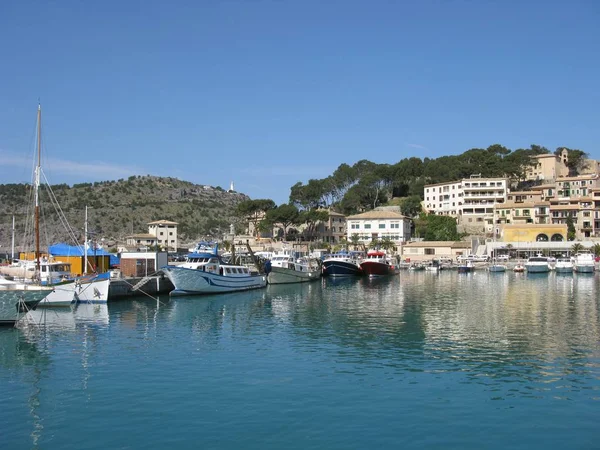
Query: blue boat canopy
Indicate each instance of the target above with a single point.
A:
(63, 249)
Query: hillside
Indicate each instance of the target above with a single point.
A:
(120, 208)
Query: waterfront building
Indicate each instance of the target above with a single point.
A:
(378, 225)
(440, 250)
(529, 232)
(142, 264)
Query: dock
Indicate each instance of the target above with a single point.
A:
(124, 287)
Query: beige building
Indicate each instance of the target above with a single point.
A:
(548, 167)
(165, 232)
(334, 230)
(427, 250)
(141, 240)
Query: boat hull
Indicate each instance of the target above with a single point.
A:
(280, 275)
(83, 290)
(194, 282)
(377, 269)
(497, 268)
(584, 269)
(537, 269)
(14, 303)
(341, 269)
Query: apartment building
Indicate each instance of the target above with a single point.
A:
(470, 200)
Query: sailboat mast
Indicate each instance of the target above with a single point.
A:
(37, 188)
(12, 245)
(85, 243)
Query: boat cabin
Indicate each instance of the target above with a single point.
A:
(213, 264)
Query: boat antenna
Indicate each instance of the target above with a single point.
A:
(37, 187)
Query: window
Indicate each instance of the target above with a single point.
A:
(382, 226)
(430, 251)
(367, 226)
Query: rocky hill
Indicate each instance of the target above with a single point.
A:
(117, 209)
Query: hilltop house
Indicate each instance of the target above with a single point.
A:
(161, 232)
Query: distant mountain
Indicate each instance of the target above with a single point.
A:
(117, 209)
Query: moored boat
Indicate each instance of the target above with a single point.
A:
(519, 268)
(563, 265)
(377, 264)
(495, 267)
(40, 270)
(17, 299)
(584, 263)
(466, 267)
(204, 272)
(283, 268)
(537, 264)
(343, 264)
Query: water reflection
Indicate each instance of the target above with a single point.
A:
(507, 335)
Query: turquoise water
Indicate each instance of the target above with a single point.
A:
(419, 360)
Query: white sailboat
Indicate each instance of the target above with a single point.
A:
(65, 290)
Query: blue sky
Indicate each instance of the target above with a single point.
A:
(269, 93)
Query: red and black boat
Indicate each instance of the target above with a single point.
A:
(377, 264)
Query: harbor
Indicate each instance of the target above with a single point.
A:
(415, 358)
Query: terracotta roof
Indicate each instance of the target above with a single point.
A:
(376, 215)
(162, 222)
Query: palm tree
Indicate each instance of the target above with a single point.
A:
(375, 243)
(576, 248)
(386, 243)
(226, 245)
(596, 249)
(355, 238)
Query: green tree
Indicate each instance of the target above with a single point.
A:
(432, 227)
(375, 243)
(576, 160)
(411, 206)
(576, 248)
(254, 211)
(355, 239)
(570, 229)
(311, 219)
(596, 249)
(285, 215)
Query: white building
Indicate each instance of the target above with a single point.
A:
(165, 233)
(378, 225)
(443, 198)
(470, 200)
